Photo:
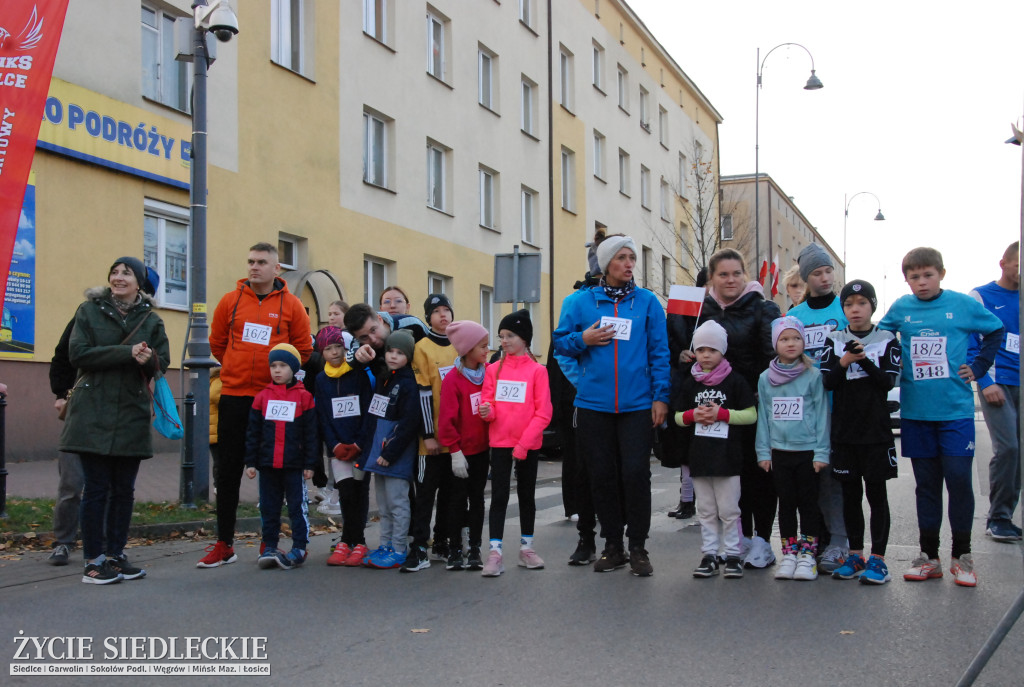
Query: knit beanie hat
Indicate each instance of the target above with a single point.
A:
(464, 335)
(286, 353)
(140, 271)
(781, 324)
(403, 341)
(610, 247)
(435, 301)
(861, 288)
(327, 336)
(519, 323)
(711, 335)
(811, 258)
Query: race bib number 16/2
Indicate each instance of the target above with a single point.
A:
(256, 333)
(788, 408)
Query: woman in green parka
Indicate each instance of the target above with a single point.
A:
(118, 345)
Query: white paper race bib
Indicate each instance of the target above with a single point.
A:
(1013, 343)
(928, 357)
(474, 402)
(345, 406)
(510, 392)
(814, 337)
(300, 375)
(379, 405)
(788, 408)
(256, 333)
(623, 326)
(872, 351)
(443, 371)
(283, 411)
(716, 430)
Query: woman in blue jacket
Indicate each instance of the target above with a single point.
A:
(617, 333)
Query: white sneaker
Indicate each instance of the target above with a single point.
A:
(329, 507)
(833, 559)
(745, 543)
(962, 570)
(324, 494)
(760, 554)
(806, 568)
(787, 567)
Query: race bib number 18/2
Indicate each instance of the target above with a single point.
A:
(928, 357)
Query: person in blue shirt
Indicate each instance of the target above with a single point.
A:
(822, 313)
(1000, 397)
(937, 405)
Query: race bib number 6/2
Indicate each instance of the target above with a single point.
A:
(510, 392)
(788, 408)
(716, 430)
(283, 411)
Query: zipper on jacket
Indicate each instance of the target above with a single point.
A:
(615, 359)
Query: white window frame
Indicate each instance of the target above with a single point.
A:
(438, 283)
(487, 82)
(282, 252)
(528, 108)
(288, 34)
(487, 313)
(372, 290)
(376, 14)
(623, 172)
(684, 175)
(373, 121)
(566, 69)
(645, 107)
(663, 126)
(647, 257)
(159, 68)
(437, 45)
(622, 83)
(526, 12)
(437, 176)
(645, 188)
(599, 146)
(162, 213)
(666, 201)
(727, 228)
(528, 212)
(568, 179)
(666, 274)
(597, 72)
(489, 195)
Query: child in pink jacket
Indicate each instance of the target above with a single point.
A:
(516, 401)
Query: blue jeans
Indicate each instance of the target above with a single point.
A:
(108, 495)
(275, 485)
(1004, 468)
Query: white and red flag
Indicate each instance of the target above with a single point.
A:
(685, 300)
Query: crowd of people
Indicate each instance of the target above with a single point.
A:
(765, 414)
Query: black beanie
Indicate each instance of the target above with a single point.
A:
(861, 288)
(435, 301)
(139, 270)
(519, 324)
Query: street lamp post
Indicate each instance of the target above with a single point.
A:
(846, 214)
(813, 84)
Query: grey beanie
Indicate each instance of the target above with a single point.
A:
(811, 258)
(610, 247)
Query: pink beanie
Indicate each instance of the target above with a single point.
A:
(464, 335)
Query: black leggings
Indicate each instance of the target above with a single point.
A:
(853, 514)
(353, 496)
(796, 483)
(471, 491)
(502, 463)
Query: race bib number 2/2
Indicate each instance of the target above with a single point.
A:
(788, 408)
(345, 406)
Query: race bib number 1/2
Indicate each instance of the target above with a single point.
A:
(256, 333)
(283, 411)
(379, 405)
(345, 406)
(510, 392)
(623, 326)
(814, 337)
(788, 408)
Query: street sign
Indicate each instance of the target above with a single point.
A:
(517, 277)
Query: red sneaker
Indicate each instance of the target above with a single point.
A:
(340, 554)
(216, 555)
(355, 558)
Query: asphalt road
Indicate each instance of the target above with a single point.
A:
(557, 626)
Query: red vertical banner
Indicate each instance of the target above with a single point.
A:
(29, 35)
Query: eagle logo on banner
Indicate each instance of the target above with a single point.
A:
(29, 36)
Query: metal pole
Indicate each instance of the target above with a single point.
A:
(757, 169)
(187, 495)
(3, 456)
(846, 215)
(515, 278)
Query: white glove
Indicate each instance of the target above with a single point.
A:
(460, 466)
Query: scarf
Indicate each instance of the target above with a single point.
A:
(617, 293)
(714, 376)
(474, 376)
(335, 372)
(779, 374)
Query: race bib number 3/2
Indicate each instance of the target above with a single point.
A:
(623, 326)
(788, 408)
(474, 402)
(379, 405)
(256, 333)
(283, 411)
(716, 430)
(510, 392)
(345, 406)
(928, 357)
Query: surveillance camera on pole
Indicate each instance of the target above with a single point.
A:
(218, 18)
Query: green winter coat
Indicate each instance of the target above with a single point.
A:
(111, 409)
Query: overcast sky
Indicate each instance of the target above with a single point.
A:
(917, 103)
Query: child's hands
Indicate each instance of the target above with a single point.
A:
(966, 373)
(433, 448)
(484, 409)
(307, 474)
(383, 463)
(519, 453)
(819, 466)
(250, 472)
(706, 415)
(765, 465)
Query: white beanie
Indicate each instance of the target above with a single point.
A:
(711, 335)
(610, 247)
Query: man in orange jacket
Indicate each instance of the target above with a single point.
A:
(255, 316)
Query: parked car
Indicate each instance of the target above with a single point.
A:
(893, 402)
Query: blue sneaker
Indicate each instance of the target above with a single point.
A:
(268, 559)
(851, 568)
(1001, 530)
(388, 559)
(875, 571)
(292, 559)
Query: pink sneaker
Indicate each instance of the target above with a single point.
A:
(493, 567)
(529, 559)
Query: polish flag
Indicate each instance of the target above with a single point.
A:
(774, 271)
(763, 273)
(685, 300)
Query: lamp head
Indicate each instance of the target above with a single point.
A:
(879, 217)
(813, 83)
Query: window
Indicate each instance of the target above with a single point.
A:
(645, 187)
(645, 112)
(623, 88)
(529, 215)
(663, 126)
(623, 172)
(287, 253)
(666, 274)
(438, 28)
(666, 201)
(165, 249)
(163, 79)
(438, 283)
(598, 154)
(376, 148)
(488, 198)
(287, 34)
(727, 228)
(528, 114)
(376, 14)
(437, 176)
(647, 266)
(684, 175)
(376, 275)
(526, 12)
(487, 312)
(565, 77)
(487, 81)
(598, 71)
(568, 180)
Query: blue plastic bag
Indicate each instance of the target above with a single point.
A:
(165, 411)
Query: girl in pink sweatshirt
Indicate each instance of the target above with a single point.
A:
(516, 402)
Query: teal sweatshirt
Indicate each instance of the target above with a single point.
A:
(793, 416)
